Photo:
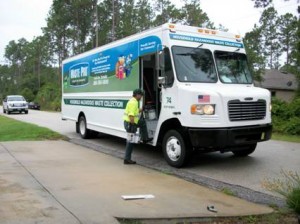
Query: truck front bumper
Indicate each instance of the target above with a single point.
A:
(229, 137)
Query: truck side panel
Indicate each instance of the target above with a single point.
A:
(99, 84)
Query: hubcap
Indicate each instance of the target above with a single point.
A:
(82, 127)
(173, 149)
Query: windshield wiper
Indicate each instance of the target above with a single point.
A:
(190, 53)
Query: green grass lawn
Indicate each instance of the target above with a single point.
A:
(287, 138)
(13, 130)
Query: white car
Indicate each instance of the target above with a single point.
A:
(15, 103)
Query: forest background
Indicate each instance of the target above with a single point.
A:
(75, 26)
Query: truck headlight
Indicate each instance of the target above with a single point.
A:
(203, 109)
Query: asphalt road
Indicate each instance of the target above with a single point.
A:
(244, 176)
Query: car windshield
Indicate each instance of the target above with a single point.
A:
(15, 98)
(194, 65)
(233, 68)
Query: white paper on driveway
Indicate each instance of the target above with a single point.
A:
(138, 196)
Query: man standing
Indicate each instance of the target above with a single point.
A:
(132, 121)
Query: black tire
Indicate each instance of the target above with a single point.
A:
(247, 150)
(83, 131)
(8, 112)
(26, 112)
(4, 111)
(176, 150)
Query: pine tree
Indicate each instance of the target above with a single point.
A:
(270, 42)
(254, 52)
(193, 15)
(287, 25)
(144, 15)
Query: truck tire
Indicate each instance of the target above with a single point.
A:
(4, 111)
(8, 112)
(83, 131)
(246, 151)
(26, 111)
(176, 150)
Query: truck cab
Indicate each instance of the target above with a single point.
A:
(207, 100)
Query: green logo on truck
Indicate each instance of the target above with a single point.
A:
(79, 74)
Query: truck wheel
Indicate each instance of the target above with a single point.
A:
(83, 131)
(176, 150)
(26, 111)
(4, 111)
(8, 112)
(245, 152)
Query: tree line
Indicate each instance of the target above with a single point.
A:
(75, 26)
(274, 38)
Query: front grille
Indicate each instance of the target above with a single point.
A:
(17, 105)
(246, 111)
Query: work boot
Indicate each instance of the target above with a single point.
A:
(127, 162)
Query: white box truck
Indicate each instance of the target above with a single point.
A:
(199, 93)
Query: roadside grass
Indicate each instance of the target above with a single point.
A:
(13, 130)
(286, 138)
(227, 191)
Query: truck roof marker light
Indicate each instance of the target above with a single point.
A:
(214, 32)
(172, 28)
(207, 31)
(200, 30)
(237, 36)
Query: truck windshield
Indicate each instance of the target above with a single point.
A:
(232, 67)
(194, 64)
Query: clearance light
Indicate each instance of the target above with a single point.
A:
(237, 36)
(200, 30)
(172, 28)
(207, 31)
(214, 32)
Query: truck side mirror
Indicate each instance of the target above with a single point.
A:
(160, 60)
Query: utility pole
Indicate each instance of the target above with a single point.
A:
(113, 20)
(162, 12)
(97, 25)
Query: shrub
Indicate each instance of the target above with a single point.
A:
(280, 109)
(292, 126)
(28, 94)
(295, 107)
(288, 186)
(286, 116)
(293, 200)
(49, 97)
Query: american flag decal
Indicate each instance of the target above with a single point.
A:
(203, 98)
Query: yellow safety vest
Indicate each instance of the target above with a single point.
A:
(132, 109)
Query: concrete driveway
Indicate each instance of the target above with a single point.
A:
(59, 182)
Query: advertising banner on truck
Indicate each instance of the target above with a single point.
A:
(114, 69)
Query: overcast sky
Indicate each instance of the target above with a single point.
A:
(24, 18)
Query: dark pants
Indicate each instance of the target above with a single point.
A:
(132, 128)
